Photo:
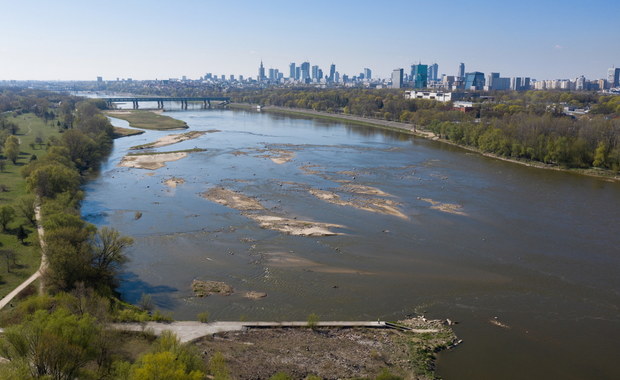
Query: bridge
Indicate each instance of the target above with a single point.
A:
(206, 101)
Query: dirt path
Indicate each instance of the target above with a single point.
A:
(9, 297)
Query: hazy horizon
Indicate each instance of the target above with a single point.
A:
(71, 40)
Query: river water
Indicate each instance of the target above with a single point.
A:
(526, 260)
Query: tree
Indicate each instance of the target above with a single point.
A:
(49, 179)
(7, 214)
(21, 234)
(108, 254)
(25, 208)
(10, 256)
(11, 149)
(56, 344)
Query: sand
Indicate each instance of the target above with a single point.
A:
(174, 181)
(173, 139)
(288, 260)
(449, 208)
(232, 199)
(294, 227)
(376, 205)
(151, 161)
(253, 295)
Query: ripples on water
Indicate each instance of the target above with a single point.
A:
(529, 267)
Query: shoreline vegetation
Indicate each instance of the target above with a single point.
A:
(421, 132)
(148, 119)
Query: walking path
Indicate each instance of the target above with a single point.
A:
(9, 297)
(188, 331)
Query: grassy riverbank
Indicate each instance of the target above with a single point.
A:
(18, 261)
(421, 132)
(148, 119)
(125, 132)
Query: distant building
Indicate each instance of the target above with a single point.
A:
(474, 81)
(291, 71)
(99, 79)
(496, 83)
(397, 78)
(520, 84)
(580, 83)
(305, 72)
(434, 95)
(433, 72)
(261, 72)
(419, 76)
(332, 73)
(367, 74)
(315, 73)
(272, 75)
(461, 72)
(613, 77)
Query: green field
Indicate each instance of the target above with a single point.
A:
(28, 256)
(148, 120)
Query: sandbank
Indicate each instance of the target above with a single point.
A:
(151, 161)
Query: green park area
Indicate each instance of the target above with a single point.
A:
(20, 253)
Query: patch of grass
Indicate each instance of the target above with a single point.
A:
(313, 319)
(148, 120)
(124, 132)
(28, 256)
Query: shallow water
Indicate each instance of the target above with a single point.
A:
(535, 250)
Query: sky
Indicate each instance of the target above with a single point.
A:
(140, 39)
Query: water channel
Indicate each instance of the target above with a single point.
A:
(526, 260)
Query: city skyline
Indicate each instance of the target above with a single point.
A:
(71, 40)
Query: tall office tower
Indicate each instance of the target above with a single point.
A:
(336, 77)
(368, 74)
(397, 78)
(613, 77)
(474, 81)
(261, 72)
(433, 72)
(461, 74)
(297, 73)
(332, 73)
(315, 73)
(231, 77)
(491, 81)
(305, 72)
(291, 70)
(320, 74)
(419, 75)
(272, 75)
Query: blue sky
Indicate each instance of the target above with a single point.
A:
(67, 39)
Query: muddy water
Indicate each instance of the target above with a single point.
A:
(525, 260)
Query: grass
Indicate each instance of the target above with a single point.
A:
(124, 132)
(28, 256)
(148, 120)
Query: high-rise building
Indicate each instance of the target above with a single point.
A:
(613, 77)
(315, 73)
(419, 75)
(305, 72)
(367, 74)
(433, 72)
(272, 75)
(580, 83)
(474, 81)
(397, 78)
(332, 73)
(261, 72)
(461, 74)
(291, 70)
(297, 73)
(99, 79)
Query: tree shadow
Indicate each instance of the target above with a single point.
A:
(132, 288)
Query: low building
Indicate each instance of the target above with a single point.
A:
(434, 95)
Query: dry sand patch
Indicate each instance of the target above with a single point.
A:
(294, 227)
(173, 139)
(450, 208)
(151, 161)
(174, 181)
(232, 199)
(288, 260)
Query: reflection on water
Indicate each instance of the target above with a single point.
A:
(528, 265)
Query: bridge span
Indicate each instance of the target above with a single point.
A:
(206, 101)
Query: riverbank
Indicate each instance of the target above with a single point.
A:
(420, 132)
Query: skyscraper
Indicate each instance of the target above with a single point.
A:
(305, 72)
(332, 73)
(419, 75)
(397, 78)
(368, 74)
(261, 72)
(291, 70)
(433, 72)
(315, 73)
(474, 81)
(613, 76)
(461, 74)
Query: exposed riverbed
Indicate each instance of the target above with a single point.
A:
(525, 259)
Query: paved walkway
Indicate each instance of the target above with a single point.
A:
(188, 331)
(9, 297)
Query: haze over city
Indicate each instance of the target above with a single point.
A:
(72, 40)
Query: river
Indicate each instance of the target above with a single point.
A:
(526, 260)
